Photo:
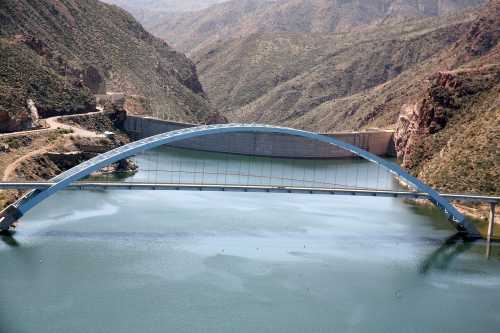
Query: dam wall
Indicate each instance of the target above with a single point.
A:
(265, 144)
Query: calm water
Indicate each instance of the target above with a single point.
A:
(131, 261)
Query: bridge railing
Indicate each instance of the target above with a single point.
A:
(90, 167)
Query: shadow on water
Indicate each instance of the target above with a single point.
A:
(8, 238)
(444, 254)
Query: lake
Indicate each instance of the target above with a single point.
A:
(170, 261)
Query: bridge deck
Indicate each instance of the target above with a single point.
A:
(28, 201)
(88, 185)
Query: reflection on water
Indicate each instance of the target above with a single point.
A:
(141, 261)
(446, 252)
(171, 165)
(7, 237)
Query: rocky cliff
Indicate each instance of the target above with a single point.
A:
(449, 136)
(59, 53)
(434, 79)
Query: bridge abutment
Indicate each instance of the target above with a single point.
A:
(8, 217)
(78, 172)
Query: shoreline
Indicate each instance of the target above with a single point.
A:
(478, 214)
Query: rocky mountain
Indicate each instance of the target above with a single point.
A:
(446, 108)
(191, 31)
(56, 54)
(285, 78)
(152, 12)
(163, 5)
(448, 134)
(435, 80)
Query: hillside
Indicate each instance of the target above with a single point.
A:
(435, 80)
(191, 31)
(446, 111)
(280, 77)
(58, 54)
(449, 133)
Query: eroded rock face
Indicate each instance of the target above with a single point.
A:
(449, 136)
(11, 124)
(431, 113)
(33, 113)
(405, 130)
(19, 120)
(445, 95)
(217, 119)
(422, 118)
(485, 32)
(37, 45)
(93, 79)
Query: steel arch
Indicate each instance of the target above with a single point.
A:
(33, 198)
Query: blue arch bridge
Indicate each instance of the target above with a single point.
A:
(72, 178)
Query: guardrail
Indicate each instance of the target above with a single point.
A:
(89, 185)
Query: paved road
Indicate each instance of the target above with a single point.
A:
(84, 185)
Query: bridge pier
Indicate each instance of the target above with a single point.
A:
(491, 229)
(65, 179)
(8, 217)
(491, 221)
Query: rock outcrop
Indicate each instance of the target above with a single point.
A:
(449, 136)
(445, 97)
(52, 163)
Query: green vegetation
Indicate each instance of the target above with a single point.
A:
(64, 131)
(17, 142)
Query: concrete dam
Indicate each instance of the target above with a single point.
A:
(380, 142)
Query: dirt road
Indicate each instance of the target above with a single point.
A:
(11, 168)
(53, 124)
